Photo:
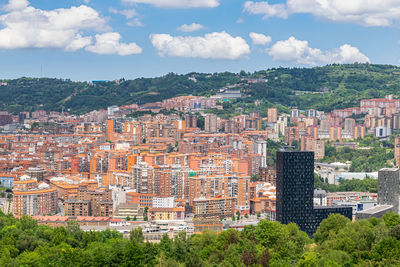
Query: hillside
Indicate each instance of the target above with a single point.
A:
(324, 88)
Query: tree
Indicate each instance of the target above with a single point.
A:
(258, 215)
(270, 233)
(387, 248)
(128, 218)
(136, 235)
(309, 259)
(193, 260)
(134, 218)
(246, 215)
(335, 258)
(331, 225)
(166, 246)
(391, 219)
(200, 122)
(180, 247)
(74, 229)
(249, 258)
(295, 144)
(395, 232)
(145, 213)
(134, 254)
(254, 178)
(265, 258)
(233, 218)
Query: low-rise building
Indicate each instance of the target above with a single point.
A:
(167, 214)
(131, 210)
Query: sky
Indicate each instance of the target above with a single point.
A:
(110, 39)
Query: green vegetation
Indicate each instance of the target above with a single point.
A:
(140, 113)
(354, 185)
(81, 97)
(326, 88)
(273, 147)
(370, 159)
(337, 242)
(323, 88)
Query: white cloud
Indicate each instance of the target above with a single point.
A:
(260, 39)
(27, 27)
(130, 14)
(364, 12)
(263, 8)
(16, 5)
(78, 43)
(216, 45)
(136, 22)
(294, 50)
(177, 3)
(109, 43)
(190, 28)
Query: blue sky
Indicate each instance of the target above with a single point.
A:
(100, 39)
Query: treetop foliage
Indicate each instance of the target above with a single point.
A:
(337, 242)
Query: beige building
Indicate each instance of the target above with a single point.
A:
(221, 207)
(272, 115)
(130, 210)
(35, 202)
(309, 143)
(210, 123)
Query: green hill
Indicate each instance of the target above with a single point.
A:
(324, 88)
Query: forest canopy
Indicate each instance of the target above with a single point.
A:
(323, 88)
(337, 242)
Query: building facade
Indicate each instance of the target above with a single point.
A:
(295, 192)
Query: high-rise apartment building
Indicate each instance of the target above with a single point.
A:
(143, 176)
(236, 186)
(397, 150)
(388, 195)
(388, 188)
(172, 182)
(74, 207)
(291, 134)
(295, 192)
(218, 207)
(295, 113)
(90, 203)
(35, 202)
(349, 124)
(191, 121)
(210, 123)
(272, 115)
(267, 174)
(295, 188)
(309, 143)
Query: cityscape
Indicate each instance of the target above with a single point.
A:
(196, 133)
(190, 171)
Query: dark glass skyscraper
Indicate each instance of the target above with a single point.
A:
(295, 191)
